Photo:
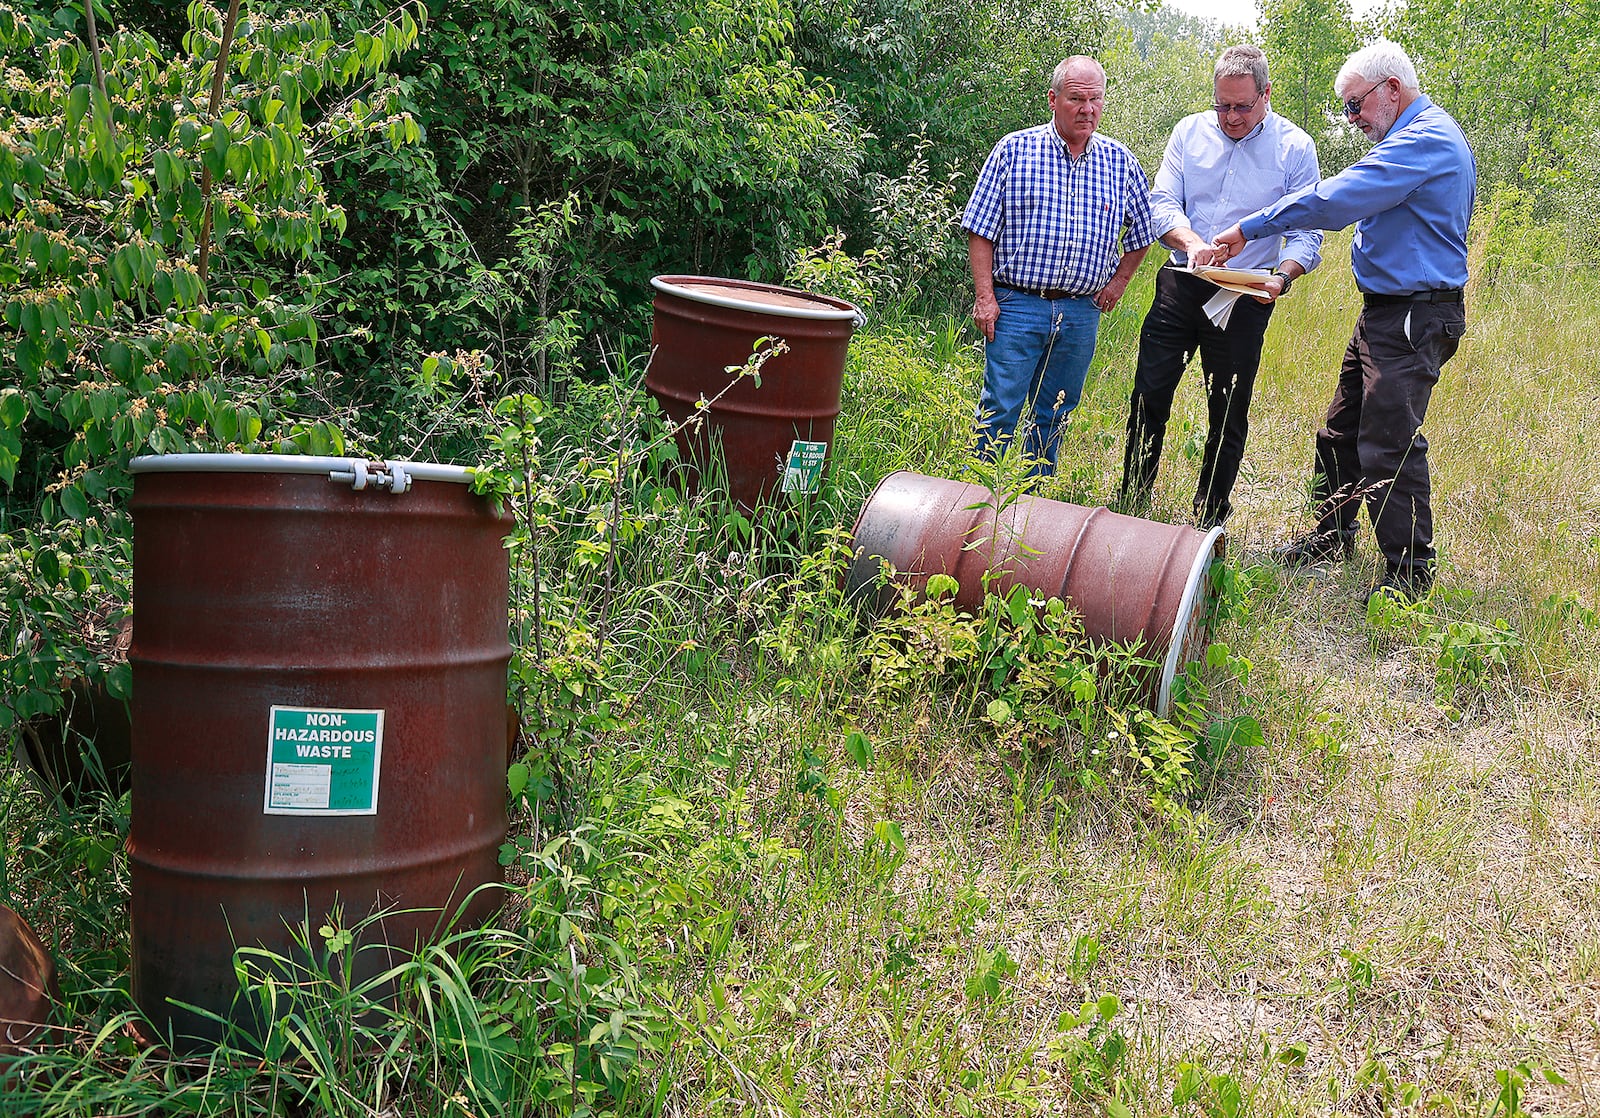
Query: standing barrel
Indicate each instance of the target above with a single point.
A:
(775, 437)
(318, 714)
(1132, 580)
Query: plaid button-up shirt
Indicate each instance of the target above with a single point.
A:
(1055, 220)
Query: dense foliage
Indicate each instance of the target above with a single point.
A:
(158, 207)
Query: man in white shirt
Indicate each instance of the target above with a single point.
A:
(1219, 166)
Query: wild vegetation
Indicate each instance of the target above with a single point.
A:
(766, 854)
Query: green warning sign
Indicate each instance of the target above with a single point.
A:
(323, 762)
(804, 471)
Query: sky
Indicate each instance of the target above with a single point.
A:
(1235, 12)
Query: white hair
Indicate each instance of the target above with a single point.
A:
(1379, 62)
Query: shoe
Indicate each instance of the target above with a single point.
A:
(1408, 584)
(1317, 547)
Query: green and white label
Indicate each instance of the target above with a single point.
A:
(804, 471)
(323, 762)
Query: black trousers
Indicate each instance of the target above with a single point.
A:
(1372, 450)
(1175, 327)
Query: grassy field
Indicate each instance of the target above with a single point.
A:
(817, 877)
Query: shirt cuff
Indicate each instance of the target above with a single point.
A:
(1307, 262)
(1163, 223)
(1255, 227)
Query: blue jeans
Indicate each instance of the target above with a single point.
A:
(1039, 358)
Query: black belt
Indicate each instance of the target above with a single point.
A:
(1442, 295)
(1045, 292)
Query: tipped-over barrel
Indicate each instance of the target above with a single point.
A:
(1132, 580)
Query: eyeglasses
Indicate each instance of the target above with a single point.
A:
(1224, 110)
(1352, 105)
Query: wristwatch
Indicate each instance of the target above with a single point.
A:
(1286, 278)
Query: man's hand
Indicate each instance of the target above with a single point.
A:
(1107, 297)
(980, 256)
(1278, 282)
(985, 312)
(1272, 289)
(1229, 243)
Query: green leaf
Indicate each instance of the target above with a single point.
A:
(1017, 604)
(859, 748)
(941, 586)
(1191, 1080)
(162, 161)
(74, 503)
(77, 108)
(517, 778)
(888, 832)
(249, 425)
(13, 407)
(224, 423)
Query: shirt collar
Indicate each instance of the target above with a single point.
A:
(1061, 145)
(1418, 103)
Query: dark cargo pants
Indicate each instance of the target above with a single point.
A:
(1372, 449)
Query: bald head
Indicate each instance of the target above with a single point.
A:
(1080, 67)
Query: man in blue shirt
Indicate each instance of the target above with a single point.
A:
(1043, 229)
(1410, 198)
(1219, 166)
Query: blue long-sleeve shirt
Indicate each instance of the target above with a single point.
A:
(1208, 181)
(1410, 198)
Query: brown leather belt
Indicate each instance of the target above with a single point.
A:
(1045, 292)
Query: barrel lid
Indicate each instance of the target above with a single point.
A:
(1186, 622)
(353, 470)
(762, 298)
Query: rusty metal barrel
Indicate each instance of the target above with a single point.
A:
(1132, 580)
(319, 715)
(774, 437)
(29, 991)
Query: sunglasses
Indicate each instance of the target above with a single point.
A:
(1352, 105)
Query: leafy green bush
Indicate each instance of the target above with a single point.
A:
(154, 215)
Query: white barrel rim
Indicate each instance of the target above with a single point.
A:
(823, 313)
(290, 464)
(1180, 621)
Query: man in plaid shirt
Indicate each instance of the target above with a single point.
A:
(1043, 228)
